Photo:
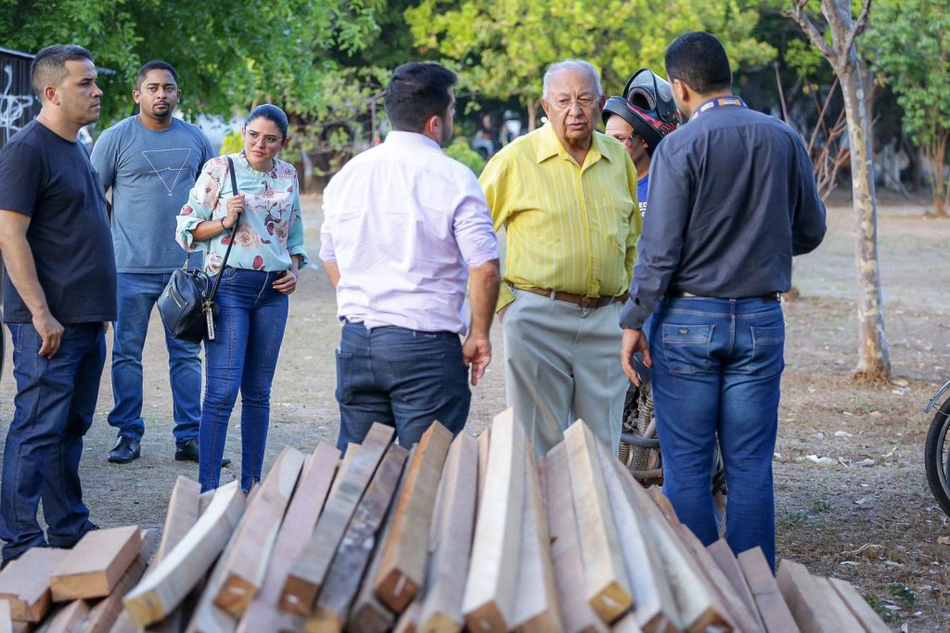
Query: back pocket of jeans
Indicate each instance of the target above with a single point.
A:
(768, 346)
(687, 347)
(344, 376)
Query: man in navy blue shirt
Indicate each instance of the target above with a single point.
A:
(739, 200)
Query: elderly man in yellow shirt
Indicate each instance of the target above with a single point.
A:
(566, 197)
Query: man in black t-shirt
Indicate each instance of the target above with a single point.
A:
(59, 289)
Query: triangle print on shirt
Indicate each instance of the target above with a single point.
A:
(168, 164)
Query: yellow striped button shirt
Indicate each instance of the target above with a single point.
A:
(571, 228)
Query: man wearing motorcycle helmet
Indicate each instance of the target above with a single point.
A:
(639, 120)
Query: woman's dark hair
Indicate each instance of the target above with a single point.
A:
(416, 92)
(272, 113)
(699, 60)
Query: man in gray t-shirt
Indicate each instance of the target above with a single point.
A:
(150, 161)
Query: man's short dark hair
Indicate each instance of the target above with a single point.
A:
(416, 92)
(699, 60)
(49, 65)
(155, 65)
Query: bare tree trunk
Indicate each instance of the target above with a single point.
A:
(873, 357)
(533, 106)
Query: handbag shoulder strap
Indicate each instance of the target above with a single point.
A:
(227, 253)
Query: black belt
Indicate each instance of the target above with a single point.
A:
(766, 298)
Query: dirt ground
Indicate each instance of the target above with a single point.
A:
(864, 514)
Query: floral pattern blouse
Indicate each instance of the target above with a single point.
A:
(270, 229)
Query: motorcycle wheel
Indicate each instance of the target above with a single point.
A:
(937, 456)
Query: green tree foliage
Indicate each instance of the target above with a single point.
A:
(460, 150)
(229, 55)
(502, 47)
(910, 46)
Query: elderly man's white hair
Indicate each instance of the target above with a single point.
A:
(570, 64)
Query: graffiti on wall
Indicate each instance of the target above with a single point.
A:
(16, 109)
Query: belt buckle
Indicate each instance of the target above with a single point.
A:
(588, 302)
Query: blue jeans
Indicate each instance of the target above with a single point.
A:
(137, 294)
(243, 356)
(53, 409)
(717, 368)
(402, 378)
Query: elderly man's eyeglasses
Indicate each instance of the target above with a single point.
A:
(268, 139)
(584, 102)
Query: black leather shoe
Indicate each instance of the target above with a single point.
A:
(125, 451)
(188, 452)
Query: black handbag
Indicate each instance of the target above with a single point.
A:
(187, 304)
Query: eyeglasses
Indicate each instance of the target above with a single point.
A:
(268, 139)
(564, 103)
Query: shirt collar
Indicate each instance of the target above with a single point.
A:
(399, 137)
(550, 145)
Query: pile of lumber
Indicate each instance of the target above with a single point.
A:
(454, 534)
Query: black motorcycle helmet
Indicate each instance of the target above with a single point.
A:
(647, 105)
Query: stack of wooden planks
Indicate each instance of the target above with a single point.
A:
(453, 534)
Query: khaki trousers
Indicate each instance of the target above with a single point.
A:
(562, 362)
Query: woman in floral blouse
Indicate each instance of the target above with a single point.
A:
(261, 271)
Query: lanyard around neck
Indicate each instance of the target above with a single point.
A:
(718, 102)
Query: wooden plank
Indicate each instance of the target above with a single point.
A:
(103, 615)
(67, 619)
(774, 611)
(167, 585)
(402, 568)
(247, 564)
(204, 500)
(369, 614)
(698, 605)
(6, 621)
(181, 516)
(870, 620)
(846, 619)
(577, 615)
(812, 610)
(488, 605)
(302, 513)
(717, 581)
(484, 444)
(25, 582)
(356, 548)
(352, 450)
(606, 585)
(310, 569)
(536, 608)
(451, 542)
(409, 620)
(96, 563)
(627, 624)
(654, 606)
(722, 554)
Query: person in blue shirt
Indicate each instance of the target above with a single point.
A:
(639, 120)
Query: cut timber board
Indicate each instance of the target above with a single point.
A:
(103, 615)
(409, 620)
(302, 513)
(310, 569)
(352, 450)
(813, 612)
(169, 582)
(847, 619)
(451, 544)
(181, 516)
(405, 551)
(576, 614)
(536, 604)
(25, 582)
(247, 564)
(726, 561)
(96, 564)
(871, 621)
(368, 614)
(654, 606)
(488, 605)
(606, 584)
(67, 619)
(356, 548)
(772, 607)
